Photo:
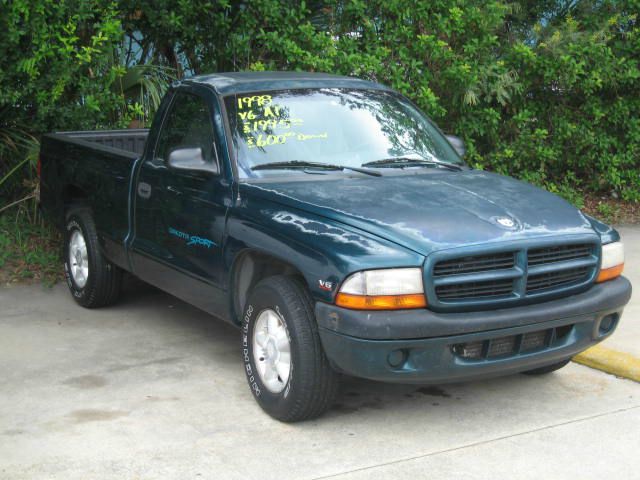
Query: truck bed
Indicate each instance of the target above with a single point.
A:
(95, 168)
(131, 141)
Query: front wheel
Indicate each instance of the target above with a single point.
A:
(92, 279)
(286, 367)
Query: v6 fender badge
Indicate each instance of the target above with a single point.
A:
(325, 285)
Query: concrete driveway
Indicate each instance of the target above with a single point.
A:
(154, 389)
(627, 336)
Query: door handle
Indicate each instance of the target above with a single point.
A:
(144, 190)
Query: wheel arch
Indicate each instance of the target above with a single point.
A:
(73, 195)
(250, 267)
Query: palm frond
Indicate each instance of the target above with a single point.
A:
(144, 84)
(13, 137)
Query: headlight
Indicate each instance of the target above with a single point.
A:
(612, 261)
(388, 289)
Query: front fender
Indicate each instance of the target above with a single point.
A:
(607, 233)
(323, 250)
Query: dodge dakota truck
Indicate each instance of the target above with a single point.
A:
(336, 226)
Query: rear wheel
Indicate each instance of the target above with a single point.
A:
(92, 279)
(548, 369)
(287, 370)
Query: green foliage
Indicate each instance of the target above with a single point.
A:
(606, 210)
(61, 69)
(142, 88)
(28, 250)
(15, 141)
(56, 61)
(548, 91)
(579, 122)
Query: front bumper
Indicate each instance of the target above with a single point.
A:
(421, 346)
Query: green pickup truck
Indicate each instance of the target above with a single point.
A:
(335, 225)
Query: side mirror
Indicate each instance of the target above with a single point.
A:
(457, 144)
(191, 159)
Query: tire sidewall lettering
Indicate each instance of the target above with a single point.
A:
(246, 354)
(252, 377)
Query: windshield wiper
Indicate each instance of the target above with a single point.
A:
(401, 162)
(302, 165)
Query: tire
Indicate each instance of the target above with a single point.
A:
(548, 369)
(280, 311)
(93, 280)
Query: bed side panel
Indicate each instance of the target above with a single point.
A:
(75, 170)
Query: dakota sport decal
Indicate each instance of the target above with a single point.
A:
(192, 239)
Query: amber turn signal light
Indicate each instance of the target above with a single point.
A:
(381, 302)
(610, 273)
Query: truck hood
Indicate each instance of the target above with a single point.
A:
(431, 211)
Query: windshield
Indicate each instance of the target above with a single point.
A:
(335, 126)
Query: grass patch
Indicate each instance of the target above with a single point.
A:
(612, 211)
(29, 252)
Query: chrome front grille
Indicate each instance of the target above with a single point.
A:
(527, 271)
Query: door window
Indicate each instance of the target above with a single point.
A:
(188, 125)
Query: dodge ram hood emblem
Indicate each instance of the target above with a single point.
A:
(505, 222)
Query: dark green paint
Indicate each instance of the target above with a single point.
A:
(325, 227)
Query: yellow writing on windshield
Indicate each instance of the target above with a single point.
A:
(249, 102)
(302, 136)
(262, 123)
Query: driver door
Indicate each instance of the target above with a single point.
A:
(180, 213)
